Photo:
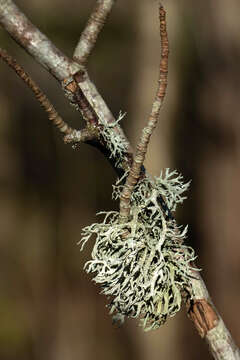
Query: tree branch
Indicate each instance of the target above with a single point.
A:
(34, 42)
(209, 323)
(74, 78)
(77, 136)
(142, 146)
(90, 34)
(201, 310)
(40, 96)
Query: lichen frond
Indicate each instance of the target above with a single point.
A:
(114, 141)
(142, 264)
(171, 186)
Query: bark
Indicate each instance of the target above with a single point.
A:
(201, 310)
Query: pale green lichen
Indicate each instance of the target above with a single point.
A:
(142, 264)
(114, 141)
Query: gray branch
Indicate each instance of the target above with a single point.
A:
(201, 310)
(90, 34)
(34, 42)
(209, 323)
(51, 58)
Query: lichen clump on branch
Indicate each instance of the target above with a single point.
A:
(142, 264)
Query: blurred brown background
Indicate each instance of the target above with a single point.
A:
(49, 308)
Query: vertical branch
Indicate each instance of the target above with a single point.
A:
(90, 34)
(142, 146)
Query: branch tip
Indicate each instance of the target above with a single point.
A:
(93, 28)
(142, 146)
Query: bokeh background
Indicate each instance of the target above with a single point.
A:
(49, 308)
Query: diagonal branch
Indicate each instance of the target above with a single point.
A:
(34, 42)
(209, 323)
(74, 79)
(201, 310)
(90, 34)
(142, 146)
(71, 135)
(40, 96)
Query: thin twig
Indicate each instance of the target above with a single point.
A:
(16, 23)
(142, 146)
(40, 96)
(64, 69)
(90, 34)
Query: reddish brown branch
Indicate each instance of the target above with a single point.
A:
(58, 64)
(142, 146)
(76, 97)
(40, 96)
(40, 47)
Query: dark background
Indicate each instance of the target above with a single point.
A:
(49, 308)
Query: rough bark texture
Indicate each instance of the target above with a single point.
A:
(205, 318)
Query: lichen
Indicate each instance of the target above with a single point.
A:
(142, 264)
(114, 141)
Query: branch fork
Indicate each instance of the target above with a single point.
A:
(83, 93)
